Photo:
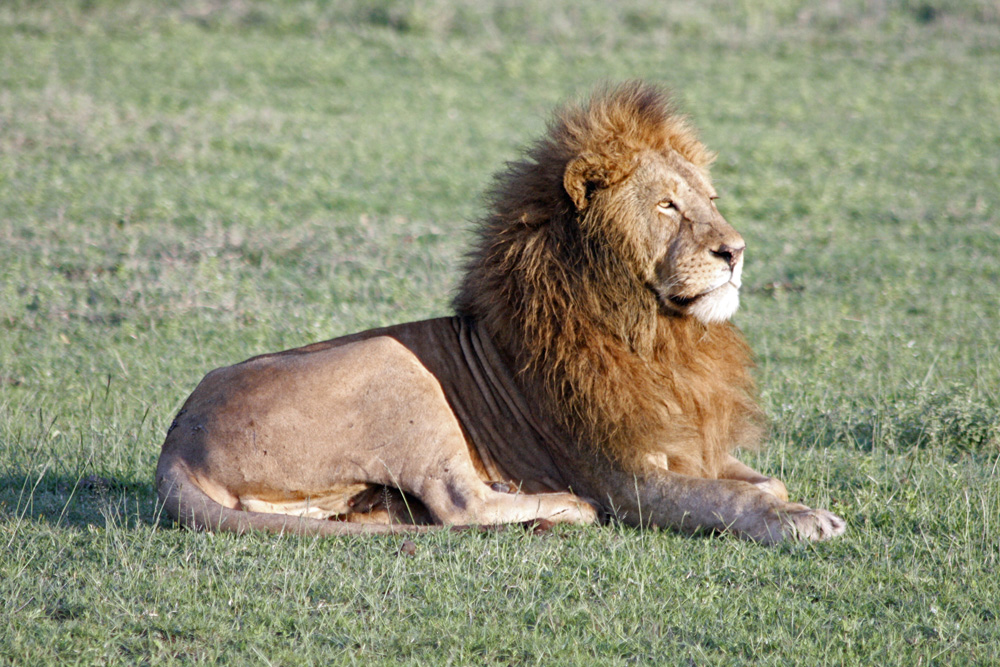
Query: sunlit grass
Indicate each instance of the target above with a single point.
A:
(186, 184)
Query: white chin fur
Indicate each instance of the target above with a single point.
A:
(717, 306)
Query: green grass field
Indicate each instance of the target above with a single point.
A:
(185, 184)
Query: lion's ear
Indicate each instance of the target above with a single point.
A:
(584, 174)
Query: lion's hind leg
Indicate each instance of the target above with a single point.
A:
(386, 505)
(415, 446)
(461, 498)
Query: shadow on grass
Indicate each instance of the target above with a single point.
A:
(66, 500)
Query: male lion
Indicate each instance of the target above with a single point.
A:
(590, 370)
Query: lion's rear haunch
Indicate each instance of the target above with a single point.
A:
(591, 370)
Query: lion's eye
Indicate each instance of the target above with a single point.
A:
(666, 205)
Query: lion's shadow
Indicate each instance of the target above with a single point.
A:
(77, 501)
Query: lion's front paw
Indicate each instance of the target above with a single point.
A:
(773, 486)
(580, 511)
(803, 523)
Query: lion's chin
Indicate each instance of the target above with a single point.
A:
(716, 306)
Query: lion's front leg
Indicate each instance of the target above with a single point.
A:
(668, 499)
(733, 468)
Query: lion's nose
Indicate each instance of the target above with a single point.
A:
(729, 254)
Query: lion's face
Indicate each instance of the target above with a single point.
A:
(693, 257)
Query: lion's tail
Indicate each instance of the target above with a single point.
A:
(184, 501)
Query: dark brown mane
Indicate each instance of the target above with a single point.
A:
(568, 309)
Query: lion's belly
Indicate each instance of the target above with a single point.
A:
(334, 502)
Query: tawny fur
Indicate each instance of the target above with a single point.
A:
(558, 290)
(584, 375)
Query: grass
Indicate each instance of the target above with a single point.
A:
(188, 183)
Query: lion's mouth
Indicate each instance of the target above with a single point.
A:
(686, 301)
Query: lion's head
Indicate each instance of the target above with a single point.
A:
(641, 181)
(607, 275)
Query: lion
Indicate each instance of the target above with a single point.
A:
(590, 371)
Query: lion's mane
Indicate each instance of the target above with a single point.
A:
(565, 303)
